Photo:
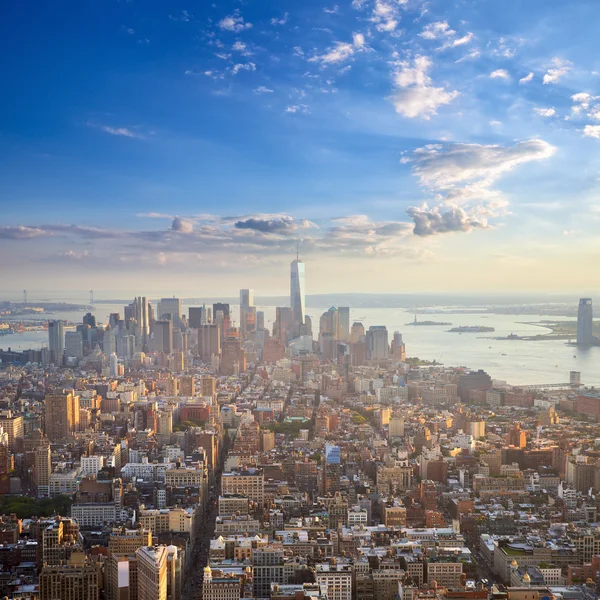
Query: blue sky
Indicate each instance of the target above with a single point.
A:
(410, 145)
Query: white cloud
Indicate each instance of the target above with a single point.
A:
(461, 41)
(437, 30)
(358, 39)
(235, 23)
(341, 51)
(297, 108)
(500, 74)
(182, 225)
(592, 131)
(281, 21)
(338, 53)
(334, 10)
(261, 89)
(385, 16)
(462, 177)
(119, 131)
(416, 96)
(241, 48)
(495, 123)
(544, 112)
(436, 220)
(527, 78)
(250, 66)
(559, 69)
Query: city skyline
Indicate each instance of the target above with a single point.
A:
(379, 135)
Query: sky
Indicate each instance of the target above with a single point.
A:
(399, 145)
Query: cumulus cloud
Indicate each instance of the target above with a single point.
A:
(297, 108)
(281, 224)
(559, 69)
(242, 48)
(545, 112)
(592, 131)
(234, 22)
(416, 96)
(500, 74)
(182, 225)
(249, 66)
(437, 30)
(261, 89)
(527, 78)
(435, 221)
(463, 176)
(341, 51)
(385, 15)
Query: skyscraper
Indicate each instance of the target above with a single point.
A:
(297, 295)
(56, 341)
(247, 312)
(61, 412)
(142, 317)
(344, 323)
(170, 309)
(585, 317)
(163, 336)
(378, 347)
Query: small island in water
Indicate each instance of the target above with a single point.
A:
(471, 329)
(416, 323)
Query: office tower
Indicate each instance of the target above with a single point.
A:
(76, 580)
(260, 320)
(283, 326)
(344, 323)
(114, 319)
(332, 470)
(186, 386)
(329, 323)
(233, 357)
(169, 309)
(247, 312)
(56, 341)
(109, 341)
(398, 348)
(73, 345)
(357, 332)
(246, 298)
(196, 316)
(297, 295)
(89, 319)
(208, 386)
(209, 341)
(13, 425)
(377, 343)
(222, 317)
(585, 336)
(152, 572)
(61, 412)
(163, 336)
(114, 365)
(42, 468)
(142, 317)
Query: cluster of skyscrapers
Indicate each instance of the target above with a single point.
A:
(209, 332)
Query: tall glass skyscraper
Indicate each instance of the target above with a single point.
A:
(297, 291)
(585, 317)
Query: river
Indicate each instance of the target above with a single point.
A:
(514, 361)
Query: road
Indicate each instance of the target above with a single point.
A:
(192, 585)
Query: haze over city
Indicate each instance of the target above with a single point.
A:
(194, 142)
